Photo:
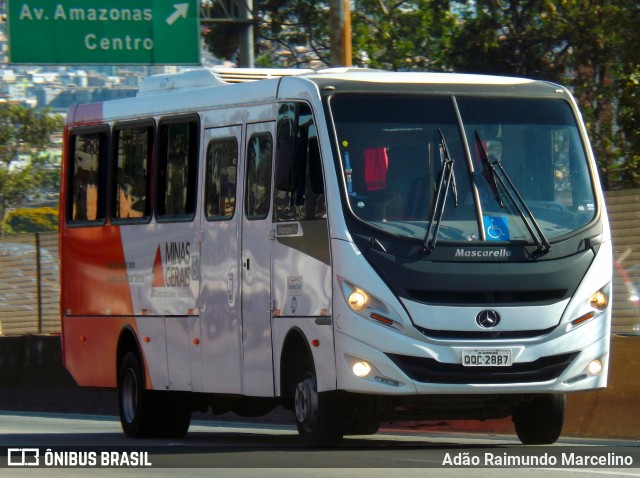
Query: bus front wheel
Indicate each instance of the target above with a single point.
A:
(539, 421)
(317, 414)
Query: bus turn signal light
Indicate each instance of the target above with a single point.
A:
(582, 318)
(382, 319)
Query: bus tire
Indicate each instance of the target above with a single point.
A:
(364, 426)
(136, 409)
(144, 413)
(172, 416)
(317, 414)
(539, 421)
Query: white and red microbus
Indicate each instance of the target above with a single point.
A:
(356, 246)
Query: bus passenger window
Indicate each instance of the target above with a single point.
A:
(299, 185)
(220, 179)
(88, 158)
(258, 190)
(177, 170)
(130, 198)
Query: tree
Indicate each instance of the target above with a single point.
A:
(25, 134)
(587, 45)
(512, 37)
(595, 69)
(609, 56)
(390, 34)
(222, 39)
(294, 33)
(288, 33)
(402, 35)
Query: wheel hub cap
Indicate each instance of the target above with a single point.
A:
(306, 402)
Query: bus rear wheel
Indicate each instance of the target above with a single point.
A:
(135, 408)
(317, 414)
(145, 413)
(539, 421)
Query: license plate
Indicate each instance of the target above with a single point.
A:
(486, 358)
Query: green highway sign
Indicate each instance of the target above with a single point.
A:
(141, 32)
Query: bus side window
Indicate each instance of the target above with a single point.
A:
(87, 177)
(131, 185)
(177, 170)
(220, 179)
(299, 185)
(258, 190)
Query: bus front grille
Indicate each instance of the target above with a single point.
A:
(475, 335)
(485, 298)
(428, 370)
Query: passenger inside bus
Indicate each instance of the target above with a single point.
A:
(176, 177)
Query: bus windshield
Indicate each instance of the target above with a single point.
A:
(393, 159)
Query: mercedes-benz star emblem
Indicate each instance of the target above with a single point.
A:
(487, 319)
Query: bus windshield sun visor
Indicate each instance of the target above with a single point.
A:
(494, 173)
(447, 180)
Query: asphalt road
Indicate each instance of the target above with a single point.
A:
(219, 449)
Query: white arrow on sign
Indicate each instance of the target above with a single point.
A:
(181, 11)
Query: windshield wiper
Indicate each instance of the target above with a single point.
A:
(490, 173)
(447, 179)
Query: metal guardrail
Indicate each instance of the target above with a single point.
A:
(30, 279)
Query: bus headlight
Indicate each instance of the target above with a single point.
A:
(367, 371)
(368, 306)
(595, 367)
(592, 307)
(599, 300)
(357, 300)
(361, 369)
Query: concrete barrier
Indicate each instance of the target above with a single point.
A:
(32, 378)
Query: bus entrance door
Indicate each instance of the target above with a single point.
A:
(219, 294)
(256, 261)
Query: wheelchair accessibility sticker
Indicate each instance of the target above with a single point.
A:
(496, 228)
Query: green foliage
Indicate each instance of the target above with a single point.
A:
(33, 220)
(588, 45)
(395, 35)
(25, 130)
(289, 33)
(401, 35)
(222, 39)
(514, 37)
(25, 134)
(297, 34)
